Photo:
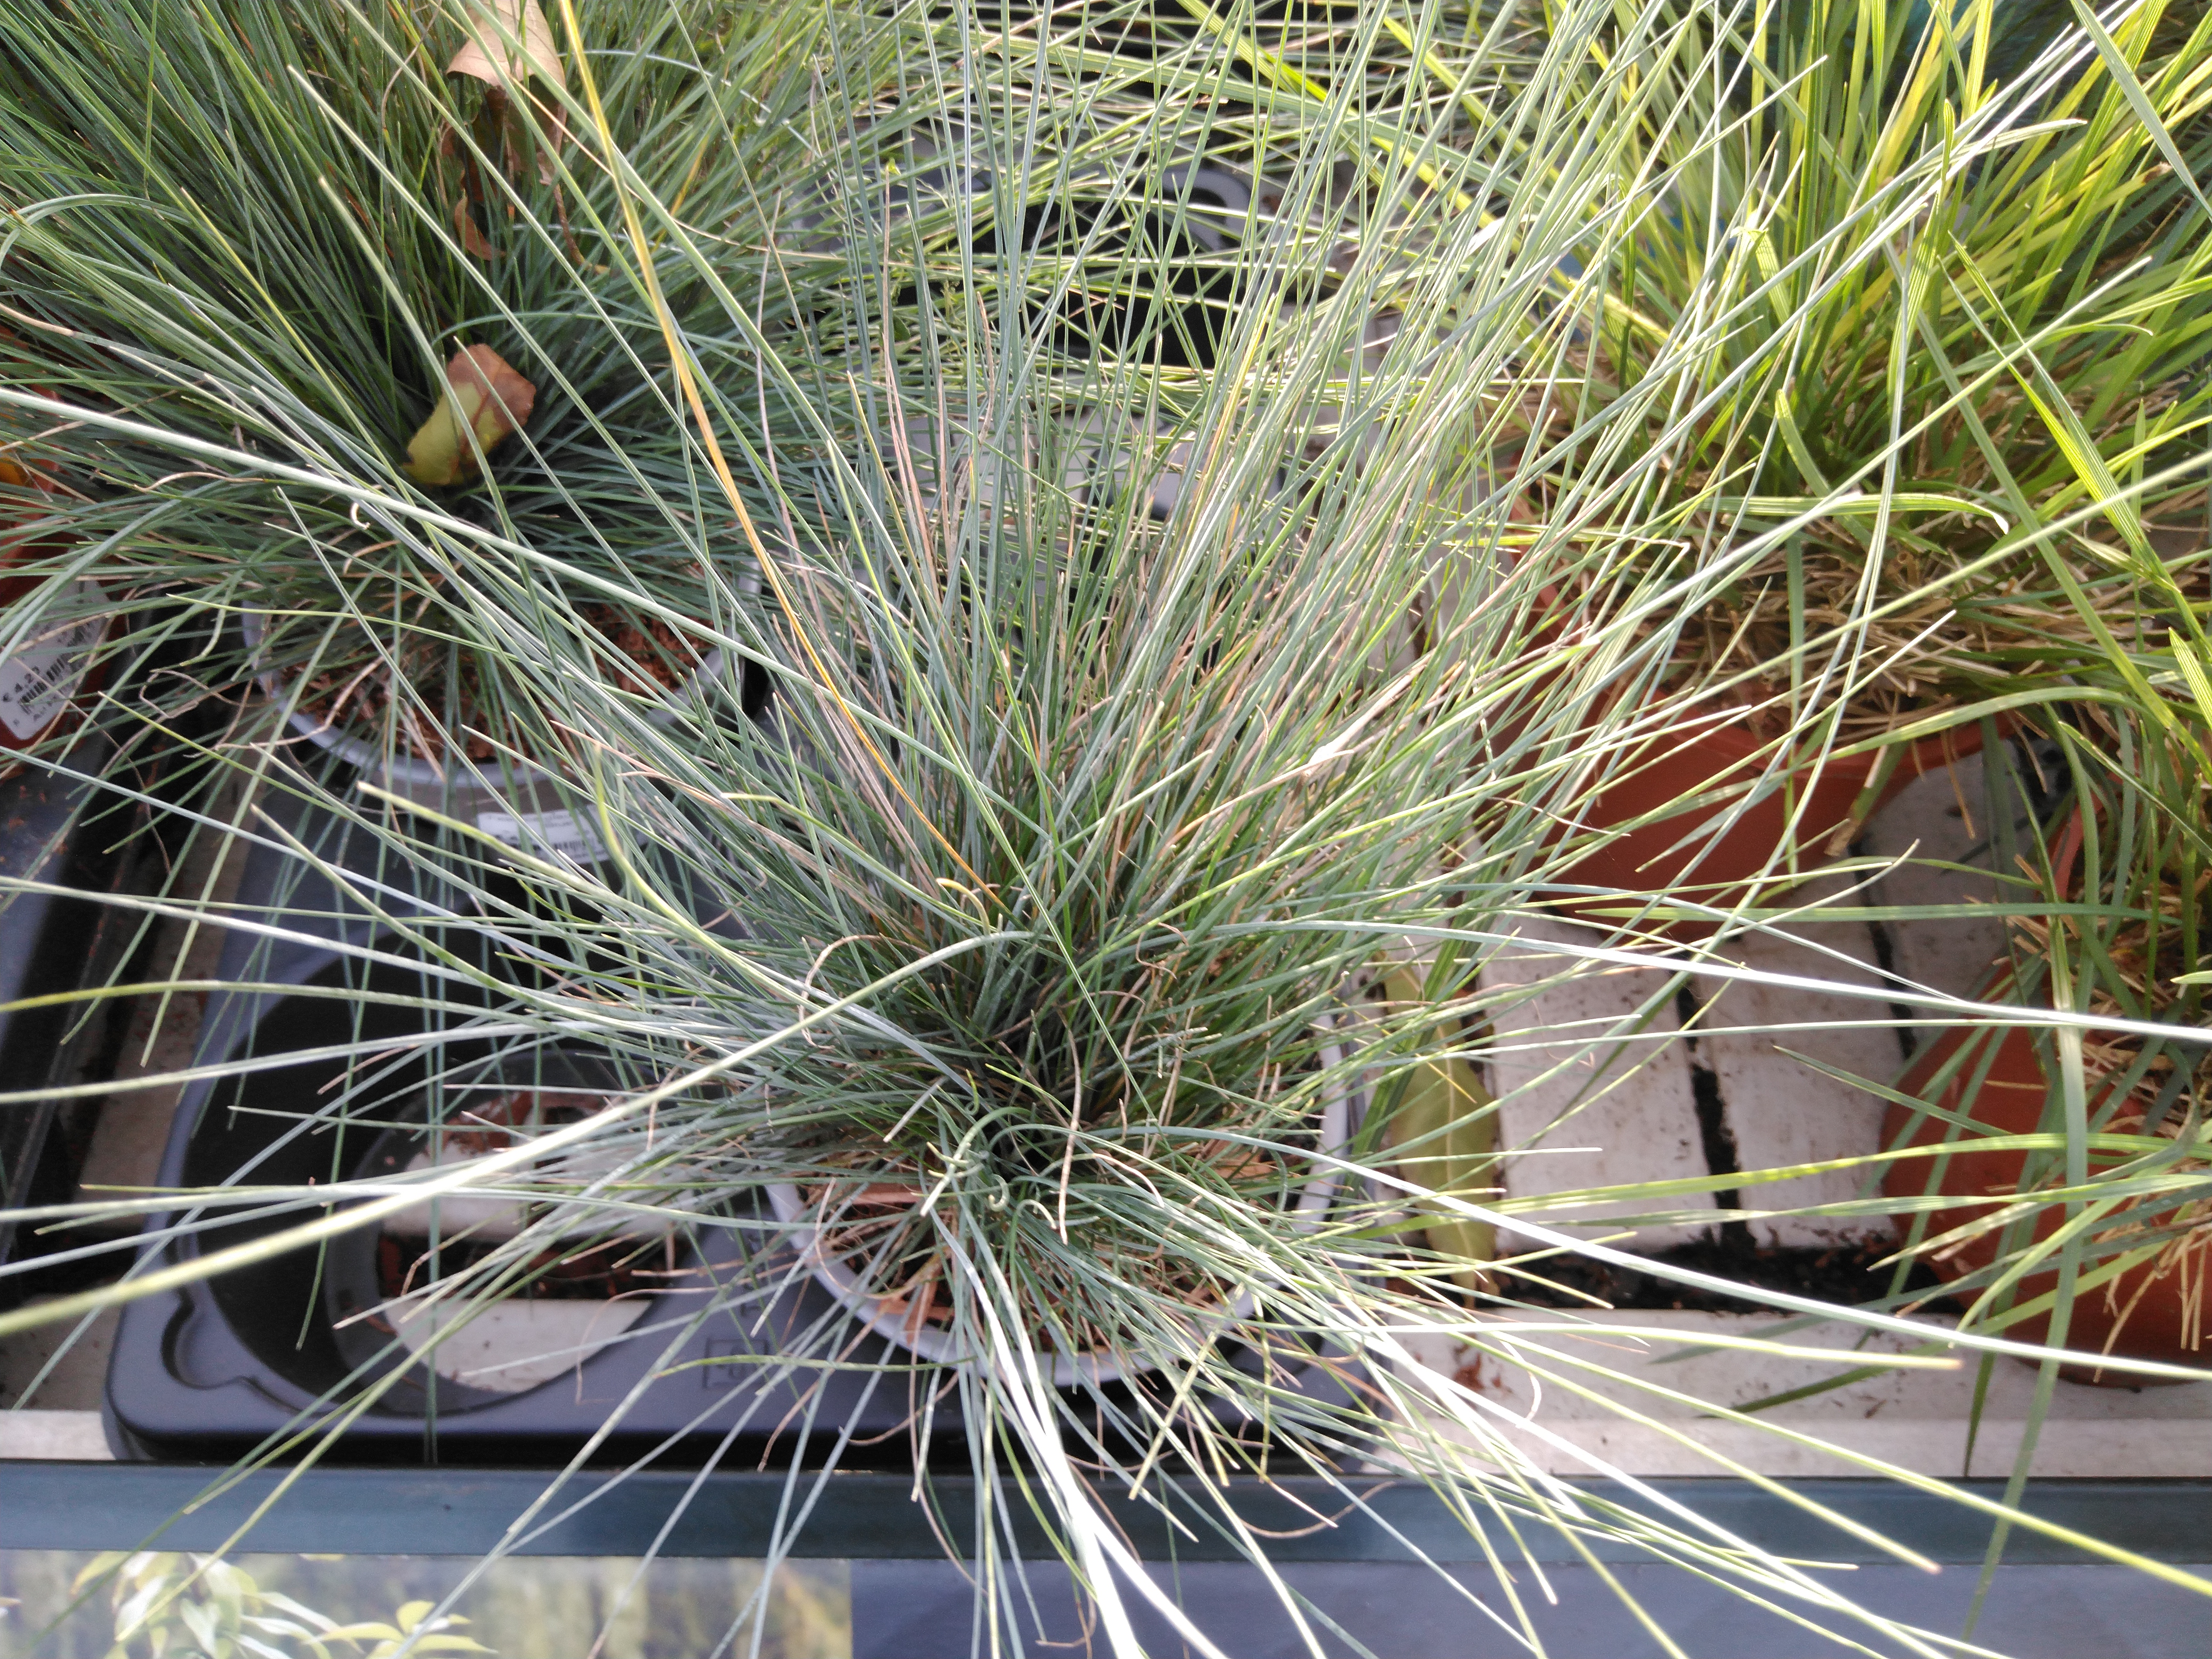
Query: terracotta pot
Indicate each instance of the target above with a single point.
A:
(1721, 865)
(45, 682)
(2145, 1314)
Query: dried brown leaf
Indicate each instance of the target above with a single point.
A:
(508, 41)
(464, 227)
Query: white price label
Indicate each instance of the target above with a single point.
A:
(36, 682)
(562, 834)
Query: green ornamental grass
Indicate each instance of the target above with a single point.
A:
(1143, 481)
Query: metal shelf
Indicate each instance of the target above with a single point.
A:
(908, 1601)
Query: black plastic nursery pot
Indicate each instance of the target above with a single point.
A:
(1179, 320)
(209, 1370)
(82, 819)
(46, 685)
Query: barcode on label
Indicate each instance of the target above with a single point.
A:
(561, 834)
(38, 681)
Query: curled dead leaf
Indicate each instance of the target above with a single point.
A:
(485, 395)
(509, 44)
(464, 227)
(508, 41)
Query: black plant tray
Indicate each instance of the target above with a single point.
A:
(213, 1369)
(70, 833)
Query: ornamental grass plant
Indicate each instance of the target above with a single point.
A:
(1166, 722)
(1924, 287)
(312, 323)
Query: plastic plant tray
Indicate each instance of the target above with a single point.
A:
(217, 1367)
(69, 833)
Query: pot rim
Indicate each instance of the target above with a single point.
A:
(413, 769)
(1066, 1371)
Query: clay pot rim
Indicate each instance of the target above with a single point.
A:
(2068, 843)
